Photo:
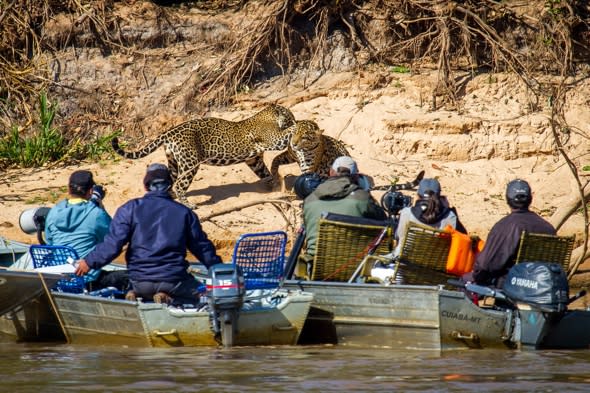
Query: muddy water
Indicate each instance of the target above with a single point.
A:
(66, 368)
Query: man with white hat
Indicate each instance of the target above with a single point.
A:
(340, 194)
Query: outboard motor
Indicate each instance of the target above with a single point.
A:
(540, 291)
(225, 291)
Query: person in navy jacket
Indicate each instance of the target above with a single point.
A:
(158, 231)
(499, 253)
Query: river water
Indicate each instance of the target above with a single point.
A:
(67, 368)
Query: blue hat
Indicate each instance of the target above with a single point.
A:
(426, 185)
(518, 189)
(157, 173)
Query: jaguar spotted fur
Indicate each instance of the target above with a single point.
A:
(219, 142)
(313, 151)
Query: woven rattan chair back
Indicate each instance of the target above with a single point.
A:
(342, 243)
(423, 255)
(537, 247)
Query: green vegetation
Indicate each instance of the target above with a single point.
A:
(400, 69)
(47, 144)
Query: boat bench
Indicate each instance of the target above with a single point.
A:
(537, 247)
(261, 256)
(343, 242)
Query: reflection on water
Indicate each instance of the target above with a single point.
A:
(66, 368)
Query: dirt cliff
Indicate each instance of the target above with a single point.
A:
(394, 125)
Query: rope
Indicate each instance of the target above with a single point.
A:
(61, 323)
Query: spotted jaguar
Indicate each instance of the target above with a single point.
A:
(313, 151)
(219, 142)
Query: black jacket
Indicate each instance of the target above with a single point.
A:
(501, 247)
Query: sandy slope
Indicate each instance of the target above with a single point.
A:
(391, 132)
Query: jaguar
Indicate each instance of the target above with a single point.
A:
(313, 151)
(219, 142)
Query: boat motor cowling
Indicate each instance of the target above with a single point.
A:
(225, 291)
(542, 286)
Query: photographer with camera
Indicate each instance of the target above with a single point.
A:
(431, 208)
(79, 221)
(341, 194)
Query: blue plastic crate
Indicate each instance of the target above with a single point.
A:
(46, 255)
(262, 258)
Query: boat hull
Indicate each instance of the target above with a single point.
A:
(430, 318)
(102, 321)
(371, 315)
(26, 313)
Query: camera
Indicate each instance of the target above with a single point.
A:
(394, 201)
(308, 182)
(98, 194)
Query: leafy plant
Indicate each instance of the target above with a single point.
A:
(400, 69)
(46, 145)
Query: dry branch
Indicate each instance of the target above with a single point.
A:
(232, 209)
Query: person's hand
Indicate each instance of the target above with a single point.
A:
(81, 267)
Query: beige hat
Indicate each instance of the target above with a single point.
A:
(345, 162)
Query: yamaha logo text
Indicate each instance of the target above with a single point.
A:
(523, 282)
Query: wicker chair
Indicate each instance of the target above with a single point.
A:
(343, 241)
(537, 247)
(261, 256)
(423, 256)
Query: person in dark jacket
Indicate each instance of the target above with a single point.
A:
(501, 247)
(341, 194)
(158, 231)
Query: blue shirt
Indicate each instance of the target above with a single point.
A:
(158, 231)
(77, 223)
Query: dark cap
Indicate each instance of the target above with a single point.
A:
(157, 173)
(518, 189)
(426, 185)
(81, 181)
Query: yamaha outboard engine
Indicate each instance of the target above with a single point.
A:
(225, 290)
(541, 293)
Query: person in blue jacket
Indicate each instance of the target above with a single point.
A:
(78, 221)
(158, 231)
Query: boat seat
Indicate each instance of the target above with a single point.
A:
(261, 256)
(44, 255)
(538, 247)
(343, 241)
(423, 255)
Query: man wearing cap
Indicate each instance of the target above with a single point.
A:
(499, 252)
(158, 231)
(430, 209)
(78, 221)
(340, 194)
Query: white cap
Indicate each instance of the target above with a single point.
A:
(345, 162)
